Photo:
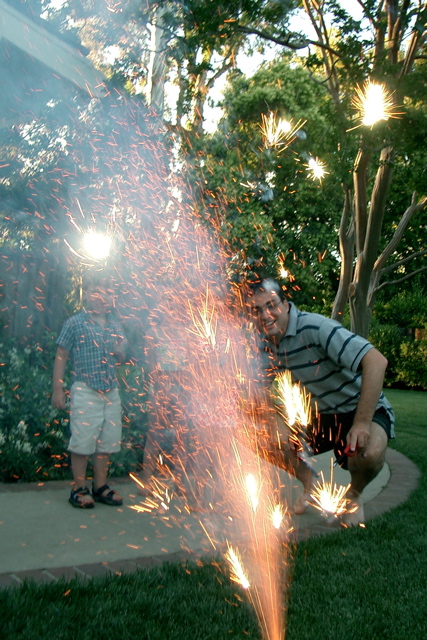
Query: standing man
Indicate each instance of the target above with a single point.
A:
(344, 374)
(93, 340)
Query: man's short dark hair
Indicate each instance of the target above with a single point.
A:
(268, 284)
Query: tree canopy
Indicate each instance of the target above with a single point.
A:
(363, 218)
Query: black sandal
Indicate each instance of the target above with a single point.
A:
(76, 502)
(107, 499)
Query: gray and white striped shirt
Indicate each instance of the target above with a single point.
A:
(325, 357)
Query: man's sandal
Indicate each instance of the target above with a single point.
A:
(108, 498)
(76, 501)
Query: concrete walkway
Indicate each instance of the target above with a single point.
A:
(43, 538)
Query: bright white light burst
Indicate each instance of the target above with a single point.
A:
(328, 497)
(277, 516)
(374, 103)
(97, 245)
(252, 490)
(316, 169)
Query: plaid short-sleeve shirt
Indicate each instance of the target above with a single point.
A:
(91, 349)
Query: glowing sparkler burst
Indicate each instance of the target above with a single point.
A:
(279, 133)
(374, 103)
(97, 245)
(316, 169)
(205, 324)
(237, 572)
(328, 497)
(252, 490)
(294, 399)
(277, 516)
(164, 265)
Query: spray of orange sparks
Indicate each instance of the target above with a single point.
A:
(374, 103)
(328, 497)
(277, 516)
(160, 497)
(279, 133)
(204, 322)
(293, 402)
(237, 572)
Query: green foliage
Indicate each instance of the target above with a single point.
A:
(393, 332)
(32, 432)
(406, 309)
(412, 368)
(271, 214)
(388, 339)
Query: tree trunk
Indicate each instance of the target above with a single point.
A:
(346, 238)
(155, 90)
(368, 234)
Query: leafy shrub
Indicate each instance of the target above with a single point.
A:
(388, 339)
(412, 369)
(32, 433)
(407, 309)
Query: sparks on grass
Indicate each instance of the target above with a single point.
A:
(316, 169)
(237, 572)
(278, 132)
(374, 103)
(328, 497)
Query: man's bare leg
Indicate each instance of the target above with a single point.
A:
(364, 467)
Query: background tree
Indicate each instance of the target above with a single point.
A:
(274, 217)
(386, 46)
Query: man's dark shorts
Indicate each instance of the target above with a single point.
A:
(330, 431)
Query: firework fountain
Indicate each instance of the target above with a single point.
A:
(173, 295)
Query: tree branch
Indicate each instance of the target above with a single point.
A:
(283, 42)
(401, 227)
(413, 46)
(346, 238)
(399, 280)
(399, 263)
(378, 201)
(311, 6)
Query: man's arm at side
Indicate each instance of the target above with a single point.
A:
(373, 365)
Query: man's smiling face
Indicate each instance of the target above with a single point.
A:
(271, 314)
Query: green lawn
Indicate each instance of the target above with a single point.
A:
(366, 584)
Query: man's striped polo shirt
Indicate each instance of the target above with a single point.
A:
(325, 357)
